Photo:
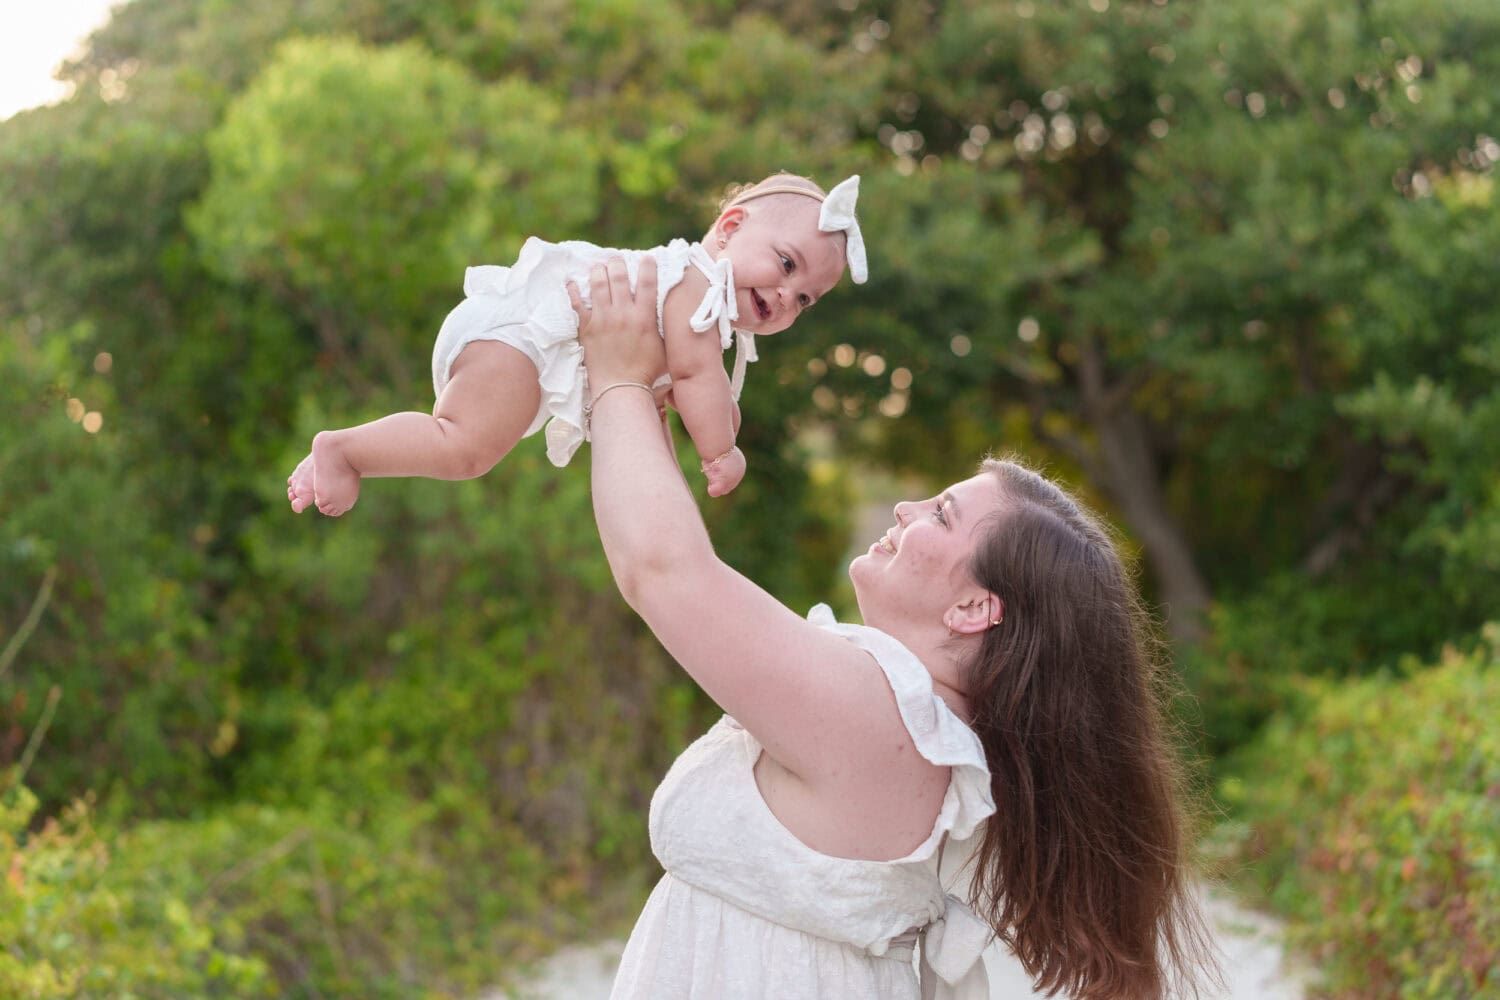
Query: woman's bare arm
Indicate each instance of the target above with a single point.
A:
(818, 704)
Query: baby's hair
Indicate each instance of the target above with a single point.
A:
(778, 183)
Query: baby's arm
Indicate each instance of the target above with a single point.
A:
(700, 386)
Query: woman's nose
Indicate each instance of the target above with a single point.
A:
(900, 510)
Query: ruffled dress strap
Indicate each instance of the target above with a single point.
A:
(720, 309)
(939, 735)
(952, 943)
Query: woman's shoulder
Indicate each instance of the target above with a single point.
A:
(938, 734)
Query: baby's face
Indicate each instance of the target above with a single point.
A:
(782, 263)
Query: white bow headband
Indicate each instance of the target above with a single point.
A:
(836, 216)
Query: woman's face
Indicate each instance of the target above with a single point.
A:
(918, 569)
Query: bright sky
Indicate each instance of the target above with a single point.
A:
(35, 37)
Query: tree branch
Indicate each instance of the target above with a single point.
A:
(54, 694)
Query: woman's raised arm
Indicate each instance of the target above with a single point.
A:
(814, 700)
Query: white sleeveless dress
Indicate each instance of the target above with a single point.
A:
(746, 911)
(527, 306)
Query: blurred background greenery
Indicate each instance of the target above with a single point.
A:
(1227, 268)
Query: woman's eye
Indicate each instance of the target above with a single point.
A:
(786, 264)
(937, 512)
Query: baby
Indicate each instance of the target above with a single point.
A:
(507, 359)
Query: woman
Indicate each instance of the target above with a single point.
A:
(999, 691)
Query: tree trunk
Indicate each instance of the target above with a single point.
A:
(1129, 476)
(1125, 466)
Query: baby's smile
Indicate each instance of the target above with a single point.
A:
(761, 309)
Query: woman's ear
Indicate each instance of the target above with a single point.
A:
(976, 613)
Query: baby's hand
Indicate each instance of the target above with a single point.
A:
(725, 472)
(663, 394)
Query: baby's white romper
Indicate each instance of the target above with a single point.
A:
(527, 306)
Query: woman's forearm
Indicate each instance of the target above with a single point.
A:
(648, 520)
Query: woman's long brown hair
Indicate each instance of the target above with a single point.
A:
(1083, 870)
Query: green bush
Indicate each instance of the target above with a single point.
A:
(71, 930)
(1266, 642)
(393, 898)
(122, 634)
(1373, 821)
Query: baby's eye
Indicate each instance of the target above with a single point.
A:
(786, 264)
(804, 300)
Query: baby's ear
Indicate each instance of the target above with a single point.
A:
(730, 220)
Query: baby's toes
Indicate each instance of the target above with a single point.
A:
(299, 486)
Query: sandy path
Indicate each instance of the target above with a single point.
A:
(1254, 964)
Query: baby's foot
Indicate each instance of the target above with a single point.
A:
(335, 481)
(725, 472)
(299, 485)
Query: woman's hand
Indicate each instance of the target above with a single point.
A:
(618, 331)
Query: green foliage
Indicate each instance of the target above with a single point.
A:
(1226, 266)
(358, 182)
(73, 927)
(121, 635)
(1433, 409)
(1266, 644)
(387, 897)
(1436, 398)
(1199, 239)
(1373, 820)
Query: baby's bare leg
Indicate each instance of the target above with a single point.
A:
(488, 403)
